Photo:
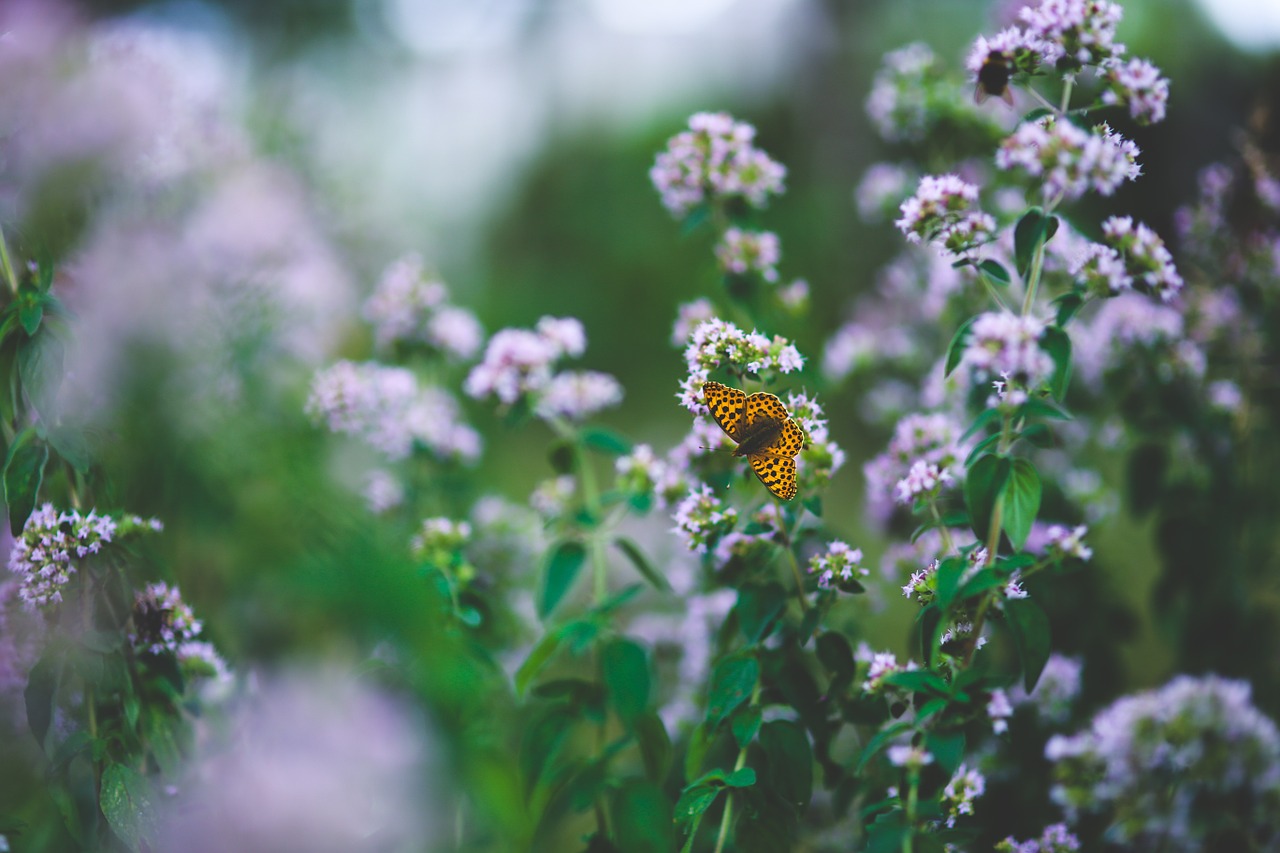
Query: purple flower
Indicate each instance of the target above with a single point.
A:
(1137, 83)
(1083, 31)
(714, 159)
(161, 621)
(740, 252)
(1069, 161)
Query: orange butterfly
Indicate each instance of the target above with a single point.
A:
(765, 434)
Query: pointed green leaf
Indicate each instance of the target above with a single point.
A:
(626, 679)
(732, 682)
(128, 803)
(790, 760)
(605, 441)
(1021, 501)
(695, 800)
(743, 777)
(23, 474)
(955, 349)
(758, 607)
(983, 483)
(655, 745)
(1030, 628)
(562, 568)
(642, 818)
(638, 559)
(995, 272)
(1057, 344)
(744, 724)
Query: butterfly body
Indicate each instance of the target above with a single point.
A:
(765, 433)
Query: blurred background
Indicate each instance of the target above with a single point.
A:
(508, 142)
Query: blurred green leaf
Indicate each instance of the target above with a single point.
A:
(996, 272)
(633, 552)
(655, 745)
(1057, 344)
(626, 679)
(23, 474)
(983, 483)
(947, 748)
(758, 607)
(1030, 628)
(743, 777)
(562, 566)
(695, 800)
(642, 818)
(786, 746)
(955, 349)
(128, 803)
(605, 441)
(744, 723)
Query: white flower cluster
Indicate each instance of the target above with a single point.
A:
(714, 159)
(740, 252)
(839, 563)
(966, 785)
(519, 363)
(1158, 761)
(407, 307)
(941, 213)
(387, 409)
(879, 666)
(44, 555)
(1069, 160)
(1008, 345)
(933, 438)
(717, 343)
(924, 479)
(161, 622)
(702, 518)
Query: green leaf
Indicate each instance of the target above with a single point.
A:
(744, 724)
(790, 759)
(128, 804)
(562, 568)
(695, 800)
(42, 684)
(947, 580)
(30, 313)
(626, 679)
(879, 741)
(541, 743)
(638, 559)
(947, 748)
(732, 682)
(955, 349)
(1038, 407)
(982, 447)
(1030, 628)
(40, 368)
(700, 740)
(1021, 501)
(23, 474)
(996, 272)
(917, 681)
(982, 581)
(605, 441)
(743, 777)
(655, 745)
(984, 418)
(642, 818)
(835, 653)
(1033, 230)
(1057, 344)
(560, 456)
(538, 657)
(982, 486)
(758, 607)
(1069, 304)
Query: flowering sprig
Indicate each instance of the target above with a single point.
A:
(717, 344)
(715, 161)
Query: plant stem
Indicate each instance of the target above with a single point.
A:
(947, 544)
(727, 817)
(913, 798)
(6, 267)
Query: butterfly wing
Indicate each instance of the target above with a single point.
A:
(727, 406)
(778, 473)
(790, 439)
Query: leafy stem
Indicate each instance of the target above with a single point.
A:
(727, 818)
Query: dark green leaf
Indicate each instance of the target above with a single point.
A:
(1036, 114)
(700, 740)
(997, 273)
(982, 486)
(128, 804)
(1030, 628)
(982, 581)
(947, 579)
(42, 684)
(162, 741)
(541, 742)
(917, 681)
(813, 503)
(743, 777)
(538, 657)
(23, 473)
(655, 745)
(1147, 466)
(955, 350)
(790, 761)
(835, 653)
(30, 313)
(1037, 407)
(638, 559)
(605, 441)
(947, 748)
(1057, 344)
(984, 418)
(982, 447)
(744, 724)
(40, 368)
(1033, 230)
(1037, 434)
(626, 679)
(879, 741)
(757, 608)
(562, 568)
(732, 682)
(642, 818)
(561, 457)
(1069, 304)
(1021, 501)
(695, 800)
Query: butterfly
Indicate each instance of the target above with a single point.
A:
(765, 434)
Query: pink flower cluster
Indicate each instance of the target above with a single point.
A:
(940, 213)
(1068, 160)
(408, 307)
(714, 159)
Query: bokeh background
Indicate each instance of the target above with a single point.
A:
(508, 142)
